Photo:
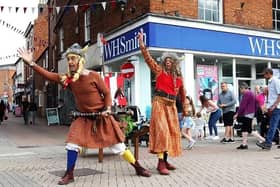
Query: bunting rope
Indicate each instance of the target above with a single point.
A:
(84, 7)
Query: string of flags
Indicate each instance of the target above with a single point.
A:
(84, 7)
(12, 27)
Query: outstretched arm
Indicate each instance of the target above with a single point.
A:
(155, 68)
(27, 57)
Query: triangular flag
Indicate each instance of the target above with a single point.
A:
(85, 7)
(104, 5)
(66, 9)
(33, 10)
(24, 9)
(104, 42)
(10, 8)
(2, 8)
(17, 9)
(113, 4)
(57, 9)
(41, 9)
(50, 9)
(76, 8)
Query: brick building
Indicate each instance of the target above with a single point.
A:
(6, 83)
(218, 40)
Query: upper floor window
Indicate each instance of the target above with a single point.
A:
(210, 10)
(61, 40)
(87, 25)
(276, 14)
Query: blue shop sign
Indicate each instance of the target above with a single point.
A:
(187, 38)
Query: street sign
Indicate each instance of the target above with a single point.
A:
(127, 70)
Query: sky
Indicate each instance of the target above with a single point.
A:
(11, 25)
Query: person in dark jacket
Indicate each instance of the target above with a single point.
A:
(32, 113)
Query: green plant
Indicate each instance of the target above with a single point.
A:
(130, 125)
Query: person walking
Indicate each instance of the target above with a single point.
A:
(119, 98)
(164, 135)
(91, 96)
(215, 114)
(2, 111)
(226, 102)
(273, 108)
(32, 113)
(246, 113)
(25, 108)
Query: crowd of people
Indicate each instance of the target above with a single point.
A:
(173, 112)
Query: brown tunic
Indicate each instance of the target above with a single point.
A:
(91, 95)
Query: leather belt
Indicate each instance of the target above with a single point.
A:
(163, 94)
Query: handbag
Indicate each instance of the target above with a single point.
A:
(6, 117)
(237, 125)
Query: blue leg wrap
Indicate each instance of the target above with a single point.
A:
(71, 159)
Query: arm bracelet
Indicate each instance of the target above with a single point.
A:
(32, 64)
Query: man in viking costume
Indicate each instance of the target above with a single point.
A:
(91, 96)
(165, 136)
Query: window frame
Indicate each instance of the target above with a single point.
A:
(61, 40)
(275, 11)
(202, 11)
(87, 24)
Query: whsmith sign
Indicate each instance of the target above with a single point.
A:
(187, 38)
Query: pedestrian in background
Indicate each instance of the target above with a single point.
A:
(188, 123)
(32, 112)
(25, 108)
(215, 113)
(2, 111)
(200, 124)
(164, 135)
(226, 102)
(273, 108)
(246, 113)
(119, 98)
(91, 96)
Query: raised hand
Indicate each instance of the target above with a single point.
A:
(140, 37)
(26, 55)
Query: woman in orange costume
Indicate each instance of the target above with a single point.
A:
(91, 95)
(165, 136)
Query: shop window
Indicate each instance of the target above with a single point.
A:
(259, 70)
(87, 24)
(227, 70)
(243, 70)
(276, 14)
(61, 39)
(210, 10)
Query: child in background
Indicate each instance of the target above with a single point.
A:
(200, 124)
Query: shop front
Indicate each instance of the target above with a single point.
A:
(210, 54)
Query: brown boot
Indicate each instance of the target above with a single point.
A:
(162, 167)
(67, 178)
(168, 165)
(140, 170)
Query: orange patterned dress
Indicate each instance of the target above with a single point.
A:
(165, 133)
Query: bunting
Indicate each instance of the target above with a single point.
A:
(76, 7)
(11, 27)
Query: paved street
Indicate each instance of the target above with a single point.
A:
(34, 155)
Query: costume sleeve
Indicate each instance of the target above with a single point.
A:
(46, 74)
(155, 68)
(103, 89)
